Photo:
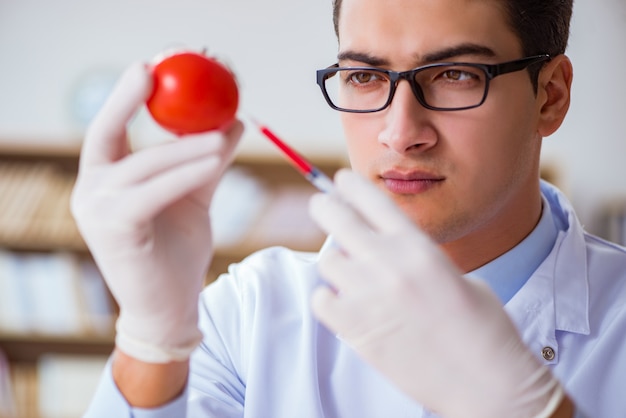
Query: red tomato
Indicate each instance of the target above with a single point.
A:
(192, 93)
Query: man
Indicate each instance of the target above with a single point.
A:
(380, 323)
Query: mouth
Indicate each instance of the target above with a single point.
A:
(413, 182)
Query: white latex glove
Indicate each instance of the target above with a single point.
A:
(398, 301)
(145, 218)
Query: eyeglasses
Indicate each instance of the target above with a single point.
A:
(441, 86)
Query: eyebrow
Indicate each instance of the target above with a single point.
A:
(362, 57)
(457, 51)
(431, 57)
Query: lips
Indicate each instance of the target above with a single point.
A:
(412, 182)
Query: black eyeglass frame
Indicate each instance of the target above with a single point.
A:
(491, 71)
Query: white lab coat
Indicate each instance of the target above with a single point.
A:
(263, 349)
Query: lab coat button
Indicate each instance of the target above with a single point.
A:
(548, 353)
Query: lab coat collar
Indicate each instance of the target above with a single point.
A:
(556, 297)
(571, 284)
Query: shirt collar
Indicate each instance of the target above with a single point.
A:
(508, 273)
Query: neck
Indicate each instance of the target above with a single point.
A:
(502, 234)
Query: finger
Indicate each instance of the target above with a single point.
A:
(340, 271)
(376, 208)
(150, 162)
(327, 308)
(349, 319)
(195, 179)
(105, 140)
(232, 137)
(146, 200)
(340, 220)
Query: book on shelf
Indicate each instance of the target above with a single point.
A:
(52, 294)
(66, 384)
(55, 386)
(614, 221)
(7, 401)
(35, 207)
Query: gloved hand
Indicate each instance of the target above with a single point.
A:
(398, 301)
(145, 219)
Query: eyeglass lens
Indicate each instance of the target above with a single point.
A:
(441, 87)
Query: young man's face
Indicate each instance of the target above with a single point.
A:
(463, 176)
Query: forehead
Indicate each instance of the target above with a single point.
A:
(391, 29)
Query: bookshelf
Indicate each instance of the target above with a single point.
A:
(38, 237)
(613, 220)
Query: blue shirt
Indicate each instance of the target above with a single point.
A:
(507, 274)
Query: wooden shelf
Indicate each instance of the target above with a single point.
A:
(28, 348)
(46, 176)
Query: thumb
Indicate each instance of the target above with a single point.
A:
(106, 136)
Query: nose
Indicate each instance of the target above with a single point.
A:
(407, 125)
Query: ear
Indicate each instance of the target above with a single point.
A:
(554, 91)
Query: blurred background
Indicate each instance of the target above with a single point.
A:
(61, 57)
(59, 60)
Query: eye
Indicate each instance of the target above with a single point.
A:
(459, 75)
(364, 77)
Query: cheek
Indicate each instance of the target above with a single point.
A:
(489, 151)
(513, 107)
(467, 141)
(499, 132)
(361, 140)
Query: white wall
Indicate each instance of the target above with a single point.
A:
(590, 148)
(48, 47)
